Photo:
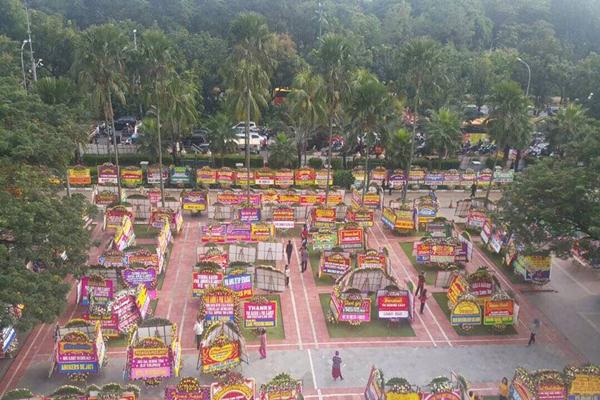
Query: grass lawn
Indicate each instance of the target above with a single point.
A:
(479, 330)
(314, 257)
(498, 262)
(277, 333)
(145, 231)
(289, 233)
(375, 328)
(430, 271)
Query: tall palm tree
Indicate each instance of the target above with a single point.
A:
(248, 74)
(157, 68)
(180, 106)
(99, 64)
(443, 132)
(306, 107)
(369, 106)
(334, 62)
(280, 151)
(419, 58)
(221, 136)
(508, 123)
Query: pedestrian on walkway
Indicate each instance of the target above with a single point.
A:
(336, 366)
(304, 235)
(420, 283)
(503, 389)
(303, 258)
(473, 190)
(286, 271)
(534, 328)
(289, 248)
(262, 350)
(198, 330)
(389, 186)
(422, 299)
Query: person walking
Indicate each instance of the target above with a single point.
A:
(286, 271)
(289, 248)
(473, 190)
(535, 326)
(420, 283)
(198, 330)
(262, 350)
(422, 299)
(503, 389)
(304, 235)
(336, 366)
(304, 258)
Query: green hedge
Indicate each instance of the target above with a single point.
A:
(446, 164)
(343, 178)
(316, 163)
(135, 159)
(124, 159)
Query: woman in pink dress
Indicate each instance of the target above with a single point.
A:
(262, 350)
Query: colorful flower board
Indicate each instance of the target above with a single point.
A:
(399, 219)
(260, 314)
(395, 304)
(350, 307)
(79, 349)
(154, 352)
(334, 263)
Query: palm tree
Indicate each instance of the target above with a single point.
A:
(100, 60)
(443, 132)
(306, 105)
(220, 134)
(565, 126)
(334, 59)
(180, 107)
(420, 58)
(369, 107)
(248, 75)
(280, 151)
(508, 123)
(157, 68)
(398, 147)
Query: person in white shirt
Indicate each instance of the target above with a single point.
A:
(198, 330)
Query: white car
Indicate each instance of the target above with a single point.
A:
(255, 142)
(242, 125)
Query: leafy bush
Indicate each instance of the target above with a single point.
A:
(315, 163)
(343, 178)
(337, 163)
(18, 394)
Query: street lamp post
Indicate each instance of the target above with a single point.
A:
(33, 63)
(135, 39)
(23, 64)
(519, 59)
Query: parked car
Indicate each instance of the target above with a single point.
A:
(242, 125)
(256, 142)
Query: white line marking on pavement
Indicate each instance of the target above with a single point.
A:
(589, 321)
(568, 274)
(308, 309)
(314, 376)
(295, 310)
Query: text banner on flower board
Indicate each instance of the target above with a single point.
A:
(350, 238)
(79, 176)
(139, 276)
(498, 312)
(107, 174)
(206, 176)
(220, 357)
(335, 263)
(150, 363)
(194, 201)
(465, 312)
(393, 305)
(260, 315)
(241, 284)
(283, 218)
(203, 280)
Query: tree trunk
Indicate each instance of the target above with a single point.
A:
(366, 181)
(247, 128)
(412, 145)
(489, 189)
(160, 160)
(114, 135)
(328, 161)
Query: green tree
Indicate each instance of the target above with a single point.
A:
(369, 107)
(508, 123)
(280, 150)
(443, 132)
(566, 126)
(306, 108)
(419, 59)
(555, 200)
(157, 69)
(220, 135)
(333, 57)
(397, 150)
(248, 75)
(99, 62)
